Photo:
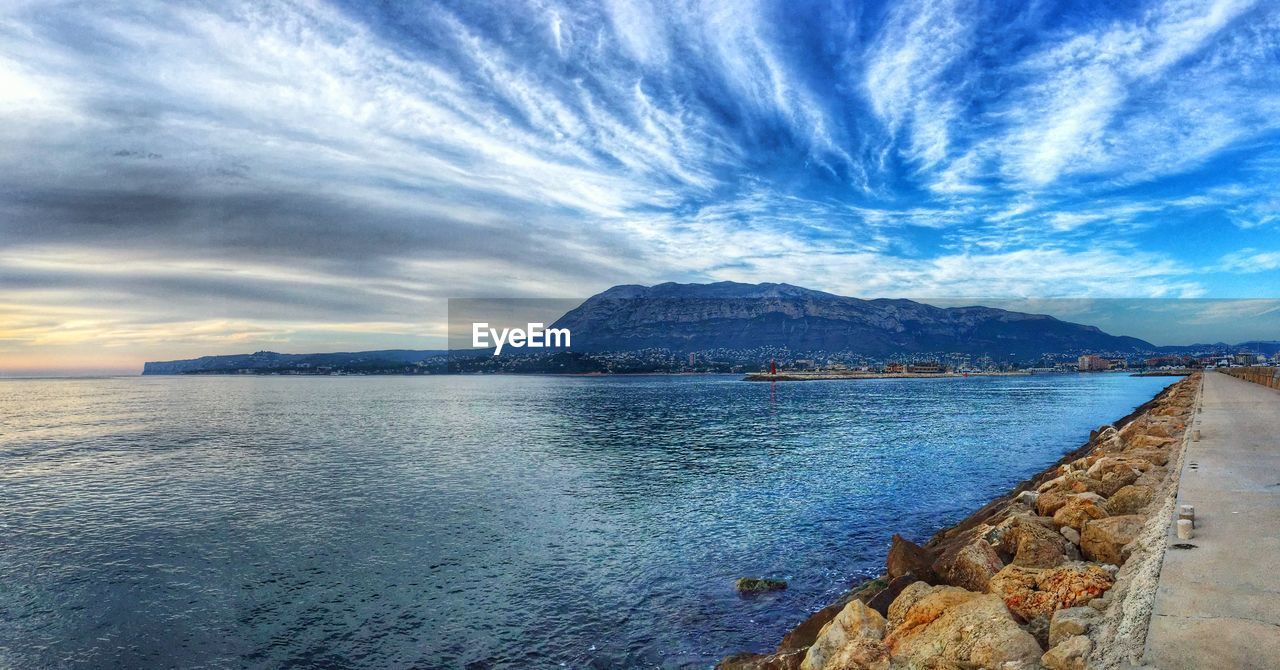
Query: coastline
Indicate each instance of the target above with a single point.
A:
(1052, 556)
(799, 376)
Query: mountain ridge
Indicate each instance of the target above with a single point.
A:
(732, 315)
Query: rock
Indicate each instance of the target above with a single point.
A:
(1101, 602)
(1033, 544)
(1153, 477)
(1112, 482)
(801, 637)
(1050, 501)
(750, 661)
(1130, 499)
(1156, 457)
(1072, 535)
(1070, 655)
(1070, 621)
(1118, 464)
(947, 627)
(759, 584)
(1133, 429)
(884, 597)
(1102, 539)
(1114, 472)
(919, 604)
(1080, 507)
(998, 535)
(1032, 592)
(1027, 498)
(1167, 428)
(1149, 442)
(1051, 484)
(850, 640)
(908, 558)
(968, 565)
(1039, 629)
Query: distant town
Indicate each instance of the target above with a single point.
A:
(739, 361)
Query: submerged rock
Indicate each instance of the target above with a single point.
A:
(759, 584)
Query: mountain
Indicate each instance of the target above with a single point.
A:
(1265, 347)
(730, 315)
(270, 360)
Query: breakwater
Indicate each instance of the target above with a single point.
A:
(1056, 574)
(1266, 376)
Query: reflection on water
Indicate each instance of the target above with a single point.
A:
(482, 521)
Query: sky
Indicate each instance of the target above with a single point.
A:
(182, 178)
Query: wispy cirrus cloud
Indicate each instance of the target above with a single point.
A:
(266, 168)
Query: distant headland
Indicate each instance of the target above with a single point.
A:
(733, 327)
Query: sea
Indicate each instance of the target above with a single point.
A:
(484, 521)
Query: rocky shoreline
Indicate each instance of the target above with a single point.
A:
(1057, 574)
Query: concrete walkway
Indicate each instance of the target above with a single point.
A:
(1218, 604)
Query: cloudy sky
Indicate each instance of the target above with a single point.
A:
(186, 178)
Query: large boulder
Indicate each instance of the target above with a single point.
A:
(1102, 540)
(1167, 428)
(919, 604)
(1142, 441)
(749, 661)
(1051, 501)
(908, 558)
(849, 641)
(1031, 592)
(881, 600)
(1153, 477)
(1122, 464)
(1072, 654)
(1116, 472)
(968, 564)
(1070, 621)
(1080, 507)
(1130, 499)
(1132, 430)
(802, 636)
(1032, 542)
(945, 627)
(1153, 456)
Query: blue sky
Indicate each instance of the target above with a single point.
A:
(185, 178)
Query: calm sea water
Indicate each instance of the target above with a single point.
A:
(477, 522)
